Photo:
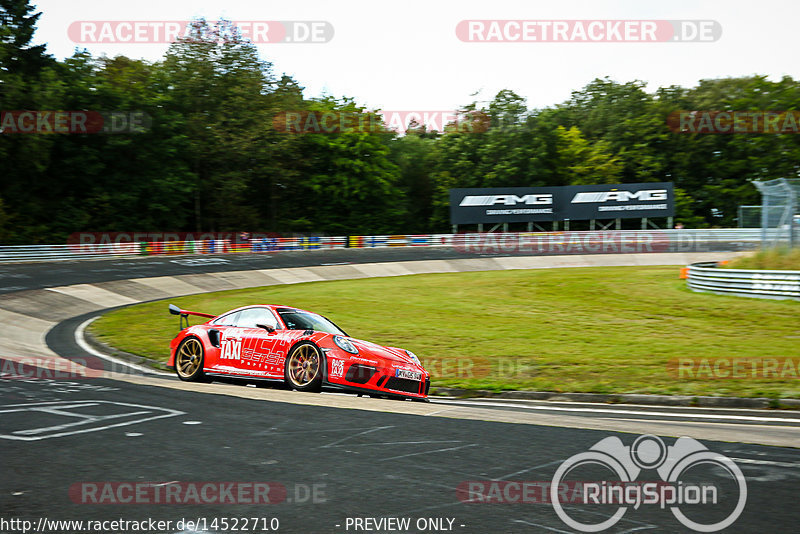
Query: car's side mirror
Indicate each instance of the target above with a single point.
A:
(266, 327)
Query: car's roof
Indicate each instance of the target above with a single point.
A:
(270, 306)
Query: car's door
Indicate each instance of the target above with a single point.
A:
(263, 349)
(226, 338)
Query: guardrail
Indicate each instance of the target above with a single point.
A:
(708, 277)
(579, 242)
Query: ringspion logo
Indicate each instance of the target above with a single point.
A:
(649, 453)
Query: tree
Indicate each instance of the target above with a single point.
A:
(584, 163)
(413, 155)
(19, 58)
(27, 81)
(5, 230)
(217, 84)
(212, 159)
(347, 183)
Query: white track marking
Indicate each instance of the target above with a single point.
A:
(81, 341)
(539, 525)
(428, 452)
(626, 412)
(591, 404)
(60, 408)
(82, 421)
(534, 468)
(765, 462)
(354, 435)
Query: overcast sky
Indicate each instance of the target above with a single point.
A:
(405, 55)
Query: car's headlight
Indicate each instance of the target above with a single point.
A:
(413, 357)
(345, 345)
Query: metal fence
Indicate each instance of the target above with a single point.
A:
(780, 211)
(584, 242)
(708, 277)
(751, 216)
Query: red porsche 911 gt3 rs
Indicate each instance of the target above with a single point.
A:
(304, 350)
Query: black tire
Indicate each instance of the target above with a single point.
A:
(189, 360)
(304, 367)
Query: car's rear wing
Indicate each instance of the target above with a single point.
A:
(174, 310)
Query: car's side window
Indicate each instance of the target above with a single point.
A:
(228, 320)
(252, 317)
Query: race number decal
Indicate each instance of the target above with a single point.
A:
(337, 368)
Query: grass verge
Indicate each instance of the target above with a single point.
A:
(779, 258)
(601, 330)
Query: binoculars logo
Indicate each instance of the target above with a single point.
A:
(648, 453)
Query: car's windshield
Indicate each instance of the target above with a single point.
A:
(301, 320)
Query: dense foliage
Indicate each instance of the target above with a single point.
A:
(212, 159)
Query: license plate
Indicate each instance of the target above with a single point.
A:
(408, 375)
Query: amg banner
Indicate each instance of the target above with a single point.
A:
(509, 204)
(618, 201)
(574, 202)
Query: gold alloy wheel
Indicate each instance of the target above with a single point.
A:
(303, 365)
(189, 358)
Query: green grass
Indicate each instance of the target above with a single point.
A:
(778, 258)
(604, 330)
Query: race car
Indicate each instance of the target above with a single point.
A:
(303, 350)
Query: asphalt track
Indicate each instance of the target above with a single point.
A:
(339, 456)
(28, 276)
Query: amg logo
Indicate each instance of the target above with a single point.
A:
(508, 200)
(620, 196)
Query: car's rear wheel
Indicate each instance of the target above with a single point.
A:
(189, 361)
(304, 368)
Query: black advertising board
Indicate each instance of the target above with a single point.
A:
(501, 205)
(575, 202)
(618, 201)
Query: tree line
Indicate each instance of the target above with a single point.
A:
(211, 158)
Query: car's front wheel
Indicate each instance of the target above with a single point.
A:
(304, 368)
(189, 360)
